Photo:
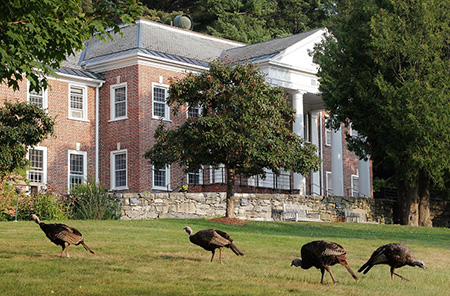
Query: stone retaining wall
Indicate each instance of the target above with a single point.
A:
(265, 207)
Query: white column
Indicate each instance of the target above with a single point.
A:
(364, 177)
(297, 105)
(337, 170)
(315, 176)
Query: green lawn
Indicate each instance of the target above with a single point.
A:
(155, 257)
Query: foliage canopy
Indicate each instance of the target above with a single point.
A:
(385, 68)
(37, 35)
(244, 124)
(248, 21)
(21, 125)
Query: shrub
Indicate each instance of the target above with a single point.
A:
(47, 206)
(92, 201)
(50, 207)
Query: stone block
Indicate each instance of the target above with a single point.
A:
(198, 197)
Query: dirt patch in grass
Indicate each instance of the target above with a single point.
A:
(226, 220)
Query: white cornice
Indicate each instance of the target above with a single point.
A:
(77, 79)
(139, 58)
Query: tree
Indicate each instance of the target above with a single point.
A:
(385, 68)
(37, 35)
(21, 125)
(248, 21)
(244, 124)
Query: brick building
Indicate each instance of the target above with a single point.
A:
(110, 98)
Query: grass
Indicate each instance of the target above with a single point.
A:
(155, 257)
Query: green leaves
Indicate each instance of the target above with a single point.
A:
(37, 35)
(21, 125)
(386, 70)
(243, 124)
(247, 21)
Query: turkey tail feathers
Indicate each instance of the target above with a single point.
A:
(366, 267)
(236, 250)
(87, 248)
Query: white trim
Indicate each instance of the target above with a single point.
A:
(113, 101)
(44, 96)
(200, 177)
(138, 58)
(328, 188)
(353, 133)
(166, 105)
(352, 177)
(113, 169)
(306, 127)
(97, 131)
(187, 110)
(84, 154)
(44, 163)
(85, 103)
(167, 176)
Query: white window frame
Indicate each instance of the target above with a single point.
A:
(188, 109)
(328, 132)
(352, 131)
(85, 103)
(113, 169)
(219, 174)
(328, 180)
(84, 176)
(113, 101)
(167, 176)
(200, 177)
(44, 96)
(354, 193)
(166, 106)
(306, 130)
(44, 164)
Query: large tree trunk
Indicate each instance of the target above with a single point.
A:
(424, 202)
(230, 193)
(416, 202)
(411, 206)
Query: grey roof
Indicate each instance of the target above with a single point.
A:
(160, 40)
(71, 66)
(172, 43)
(265, 50)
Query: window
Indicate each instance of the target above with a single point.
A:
(77, 102)
(219, 174)
(329, 185)
(37, 98)
(353, 132)
(161, 178)
(119, 101)
(193, 112)
(119, 174)
(38, 165)
(160, 107)
(77, 168)
(306, 132)
(355, 186)
(195, 177)
(327, 133)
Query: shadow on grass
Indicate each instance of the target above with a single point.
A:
(169, 257)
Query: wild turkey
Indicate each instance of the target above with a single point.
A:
(322, 254)
(212, 239)
(60, 234)
(394, 255)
